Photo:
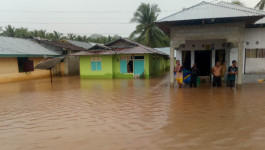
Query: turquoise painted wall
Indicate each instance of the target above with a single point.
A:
(86, 70)
(117, 71)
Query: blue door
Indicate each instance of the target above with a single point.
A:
(138, 67)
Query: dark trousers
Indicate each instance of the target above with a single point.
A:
(217, 81)
(193, 81)
(231, 83)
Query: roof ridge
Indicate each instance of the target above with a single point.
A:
(258, 10)
(203, 3)
(236, 8)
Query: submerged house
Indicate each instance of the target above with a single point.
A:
(209, 32)
(70, 64)
(121, 58)
(18, 57)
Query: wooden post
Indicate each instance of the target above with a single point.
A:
(51, 74)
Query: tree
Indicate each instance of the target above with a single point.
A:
(9, 31)
(57, 35)
(237, 2)
(146, 31)
(260, 4)
(42, 33)
(71, 36)
(34, 33)
(22, 33)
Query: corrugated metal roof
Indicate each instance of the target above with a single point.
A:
(144, 49)
(16, 47)
(206, 10)
(99, 47)
(94, 52)
(261, 21)
(166, 50)
(64, 45)
(80, 44)
(109, 50)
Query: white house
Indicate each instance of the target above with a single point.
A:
(208, 32)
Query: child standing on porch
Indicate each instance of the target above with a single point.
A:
(179, 74)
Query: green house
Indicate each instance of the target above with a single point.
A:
(122, 58)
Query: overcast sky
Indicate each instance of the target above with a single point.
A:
(85, 17)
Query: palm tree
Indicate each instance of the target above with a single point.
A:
(34, 33)
(146, 31)
(22, 33)
(71, 36)
(57, 35)
(237, 2)
(42, 33)
(260, 4)
(9, 31)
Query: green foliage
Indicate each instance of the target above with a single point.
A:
(9, 31)
(237, 2)
(25, 33)
(260, 4)
(146, 32)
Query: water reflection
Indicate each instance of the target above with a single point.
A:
(75, 113)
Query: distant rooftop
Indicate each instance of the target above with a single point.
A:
(166, 50)
(16, 47)
(85, 45)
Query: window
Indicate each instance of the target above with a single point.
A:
(255, 53)
(96, 66)
(25, 65)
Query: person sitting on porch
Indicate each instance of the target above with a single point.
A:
(179, 74)
(216, 70)
(232, 72)
(193, 76)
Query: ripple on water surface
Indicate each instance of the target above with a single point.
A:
(129, 114)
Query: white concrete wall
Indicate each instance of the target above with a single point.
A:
(252, 35)
(233, 55)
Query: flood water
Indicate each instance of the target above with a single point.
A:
(79, 114)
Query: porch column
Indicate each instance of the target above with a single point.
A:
(240, 63)
(172, 49)
(240, 54)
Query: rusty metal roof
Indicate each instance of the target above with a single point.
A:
(85, 45)
(97, 49)
(64, 45)
(94, 52)
(206, 10)
(137, 47)
(108, 49)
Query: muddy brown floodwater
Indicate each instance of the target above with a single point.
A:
(74, 114)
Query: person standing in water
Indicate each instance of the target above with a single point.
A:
(179, 74)
(223, 73)
(216, 71)
(193, 76)
(232, 72)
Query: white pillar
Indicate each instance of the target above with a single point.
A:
(240, 54)
(192, 58)
(240, 63)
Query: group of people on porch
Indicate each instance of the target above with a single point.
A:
(219, 71)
